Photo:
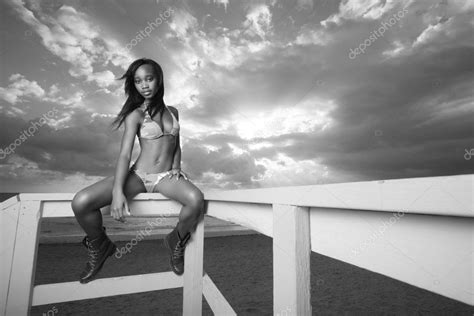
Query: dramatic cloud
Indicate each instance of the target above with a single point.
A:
(70, 35)
(19, 87)
(270, 93)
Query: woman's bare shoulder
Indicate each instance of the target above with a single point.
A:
(173, 109)
(135, 116)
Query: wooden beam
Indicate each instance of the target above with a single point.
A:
(434, 253)
(9, 221)
(258, 217)
(24, 259)
(75, 291)
(446, 195)
(215, 299)
(291, 255)
(193, 271)
(137, 208)
(9, 202)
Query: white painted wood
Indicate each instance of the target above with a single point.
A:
(193, 271)
(11, 201)
(9, 223)
(57, 209)
(154, 207)
(24, 259)
(62, 208)
(291, 255)
(448, 195)
(258, 217)
(215, 299)
(431, 252)
(46, 196)
(70, 196)
(74, 291)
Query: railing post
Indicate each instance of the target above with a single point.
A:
(24, 259)
(193, 271)
(9, 222)
(291, 260)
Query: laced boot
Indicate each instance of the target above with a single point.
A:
(99, 249)
(176, 245)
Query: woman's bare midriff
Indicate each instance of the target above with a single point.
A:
(156, 155)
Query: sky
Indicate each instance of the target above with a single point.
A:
(269, 93)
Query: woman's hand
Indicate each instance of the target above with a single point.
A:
(119, 207)
(177, 172)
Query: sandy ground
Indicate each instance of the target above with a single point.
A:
(241, 267)
(66, 229)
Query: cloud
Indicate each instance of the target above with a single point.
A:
(74, 100)
(359, 10)
(203, 60)
(262, 105)
(311, 116)
(231, 169)
(309, 36)
(14, 173)
(224, 3)
(182, 23)
(258, 21)
(223, 47)
(86, 145)
(443, 25)
(20, 87)
(71, 36)
(103, 79)
(21, 91)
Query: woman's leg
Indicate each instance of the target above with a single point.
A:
(86, 206)
(192, 199)
(87, 202)
(186, 193)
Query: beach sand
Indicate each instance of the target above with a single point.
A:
(66, 229)
(241, 267)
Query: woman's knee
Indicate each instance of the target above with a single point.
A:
(80, 202)
(196, 199)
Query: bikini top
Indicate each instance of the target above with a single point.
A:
(151, 130)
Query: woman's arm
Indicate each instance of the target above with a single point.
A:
(176, 167)
(177, 155)
(128, 139)
(177, 150)
(118, 198)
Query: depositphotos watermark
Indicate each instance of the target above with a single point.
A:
(377, 234)
(53, 311)
(29, 132)
(139, 237)
(468, 154)
(148, 29)
(285, 312)
(384, 26)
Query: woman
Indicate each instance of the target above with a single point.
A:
(157, 169)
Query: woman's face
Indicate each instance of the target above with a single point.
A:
(146, 82)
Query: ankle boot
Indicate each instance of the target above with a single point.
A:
(176, 245)
(99, 249)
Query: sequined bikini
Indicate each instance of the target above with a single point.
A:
(151, 130)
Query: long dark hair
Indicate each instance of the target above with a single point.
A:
(135, 99)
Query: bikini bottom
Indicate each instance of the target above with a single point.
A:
(150, 180)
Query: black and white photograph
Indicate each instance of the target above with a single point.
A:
(237, 157)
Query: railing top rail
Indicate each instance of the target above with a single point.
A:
(447, 195)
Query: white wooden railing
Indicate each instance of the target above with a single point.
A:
(419, 231)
